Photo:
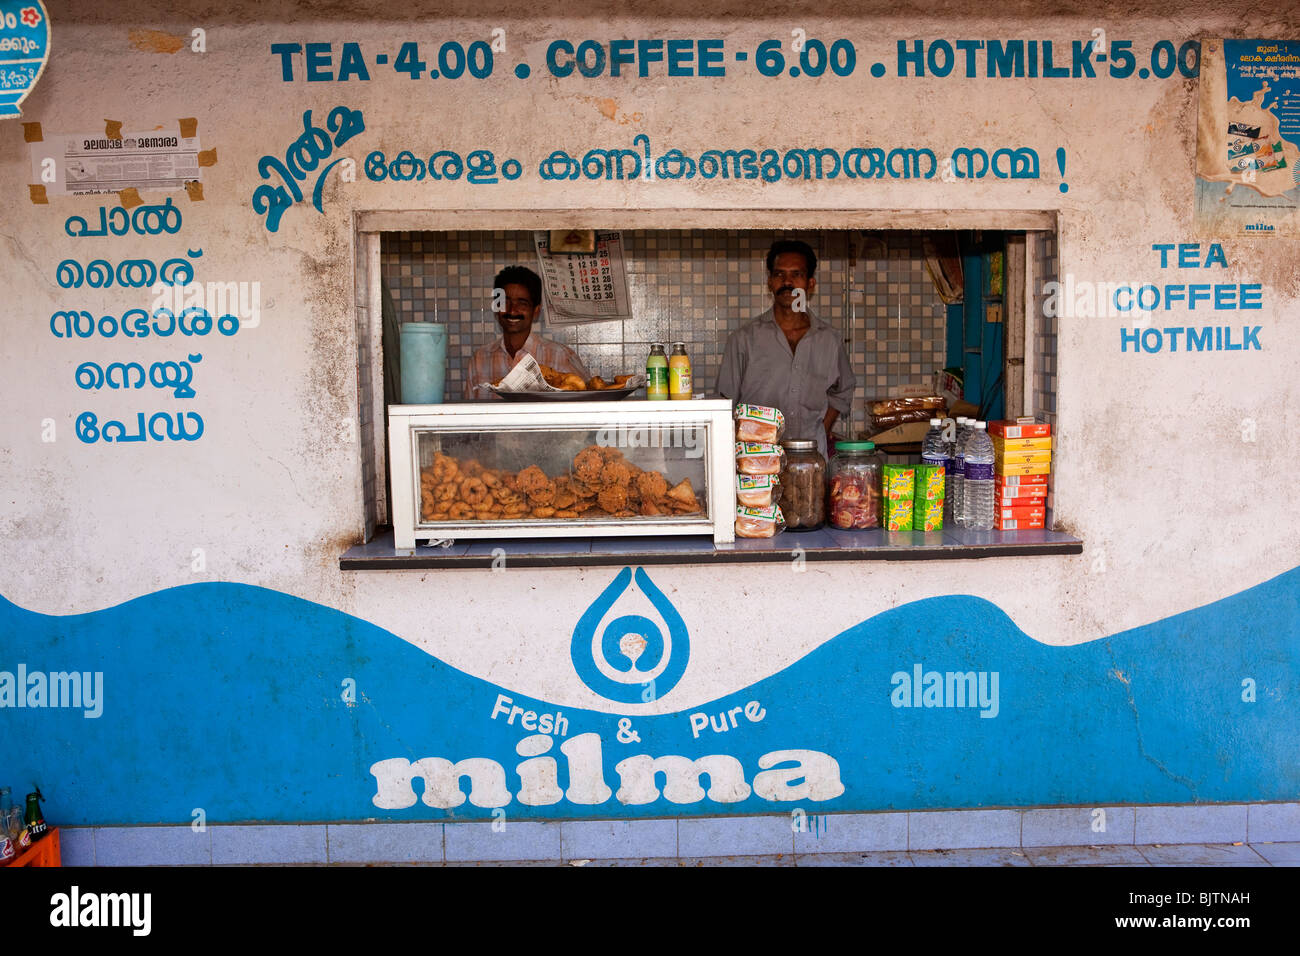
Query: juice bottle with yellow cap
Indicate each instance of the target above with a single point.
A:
(679, 373)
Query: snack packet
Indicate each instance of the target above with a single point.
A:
(898, 482)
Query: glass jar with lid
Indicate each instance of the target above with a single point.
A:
(854, 473)
(803, 486)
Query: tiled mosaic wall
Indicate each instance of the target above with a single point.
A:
(691, 286)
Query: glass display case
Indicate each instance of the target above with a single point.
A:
(515, 470)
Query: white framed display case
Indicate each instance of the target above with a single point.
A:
(562, 469)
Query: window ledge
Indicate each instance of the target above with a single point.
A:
(824, 545)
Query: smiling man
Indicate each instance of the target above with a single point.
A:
(787, 357)
(518, 301)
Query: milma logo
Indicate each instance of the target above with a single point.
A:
(641, 665)
(1258, 227)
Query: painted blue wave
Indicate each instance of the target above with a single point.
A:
(228, 698)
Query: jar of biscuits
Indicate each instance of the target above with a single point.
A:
(803, 486)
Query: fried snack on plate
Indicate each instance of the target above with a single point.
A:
(621, 380)
(573, 383)
(553, 378)
(597, 382)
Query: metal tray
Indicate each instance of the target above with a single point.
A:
(589, 395)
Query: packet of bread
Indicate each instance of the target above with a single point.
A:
(759, 522)
(759, 423)
(759, 458)
(756, 491)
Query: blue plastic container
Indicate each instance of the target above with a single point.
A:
(424, 363)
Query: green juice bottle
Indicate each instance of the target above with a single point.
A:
(656, 375)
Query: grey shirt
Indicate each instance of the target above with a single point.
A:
(759, 367)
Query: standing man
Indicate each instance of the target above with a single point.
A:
(787, 357)
(517, 298)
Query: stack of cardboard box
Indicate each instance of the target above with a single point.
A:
(1022, 461)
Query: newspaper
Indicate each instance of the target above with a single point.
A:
(526, 376)
(91, 164)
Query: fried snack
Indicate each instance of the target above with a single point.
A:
(446, 493)
(585, 490)
(612, 498)
(473, 491)
(565, 513)
(445, 468)
(616, 473)
(438, 515)
(543, 511)
(530, 479)
(459, 511)
(597, 382)
(609, 452)
(651, 484)
(491, 477)
(509, 499)
(553, 378)
(565, 496)
(621, 380)
(588, 463)
(517, 510)
(573, 383)
(472, 469)
(683, 493)
(649, 508)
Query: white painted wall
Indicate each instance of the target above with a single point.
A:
(1175, 509)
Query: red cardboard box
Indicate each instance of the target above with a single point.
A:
(1019, 480)
(1020, 429)
(1021, 494)
(1033, 513)
(1017, 524)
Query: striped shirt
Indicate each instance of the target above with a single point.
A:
(758, 366)
(492, 363)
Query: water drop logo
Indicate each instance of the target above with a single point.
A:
(646, 666)
(24, 50)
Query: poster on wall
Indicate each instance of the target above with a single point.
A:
(1248, 139)
(584, 287)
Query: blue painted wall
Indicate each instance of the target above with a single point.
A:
(229, 698)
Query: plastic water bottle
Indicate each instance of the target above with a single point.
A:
(933, 450)
(950, 470)
(977, 483)
(958, 470)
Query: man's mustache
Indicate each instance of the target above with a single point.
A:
(784, 289)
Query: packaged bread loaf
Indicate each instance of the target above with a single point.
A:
(758, 458)
(759, 522)
(756, 491)
(759, 423)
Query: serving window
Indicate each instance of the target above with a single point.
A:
(695, 277)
